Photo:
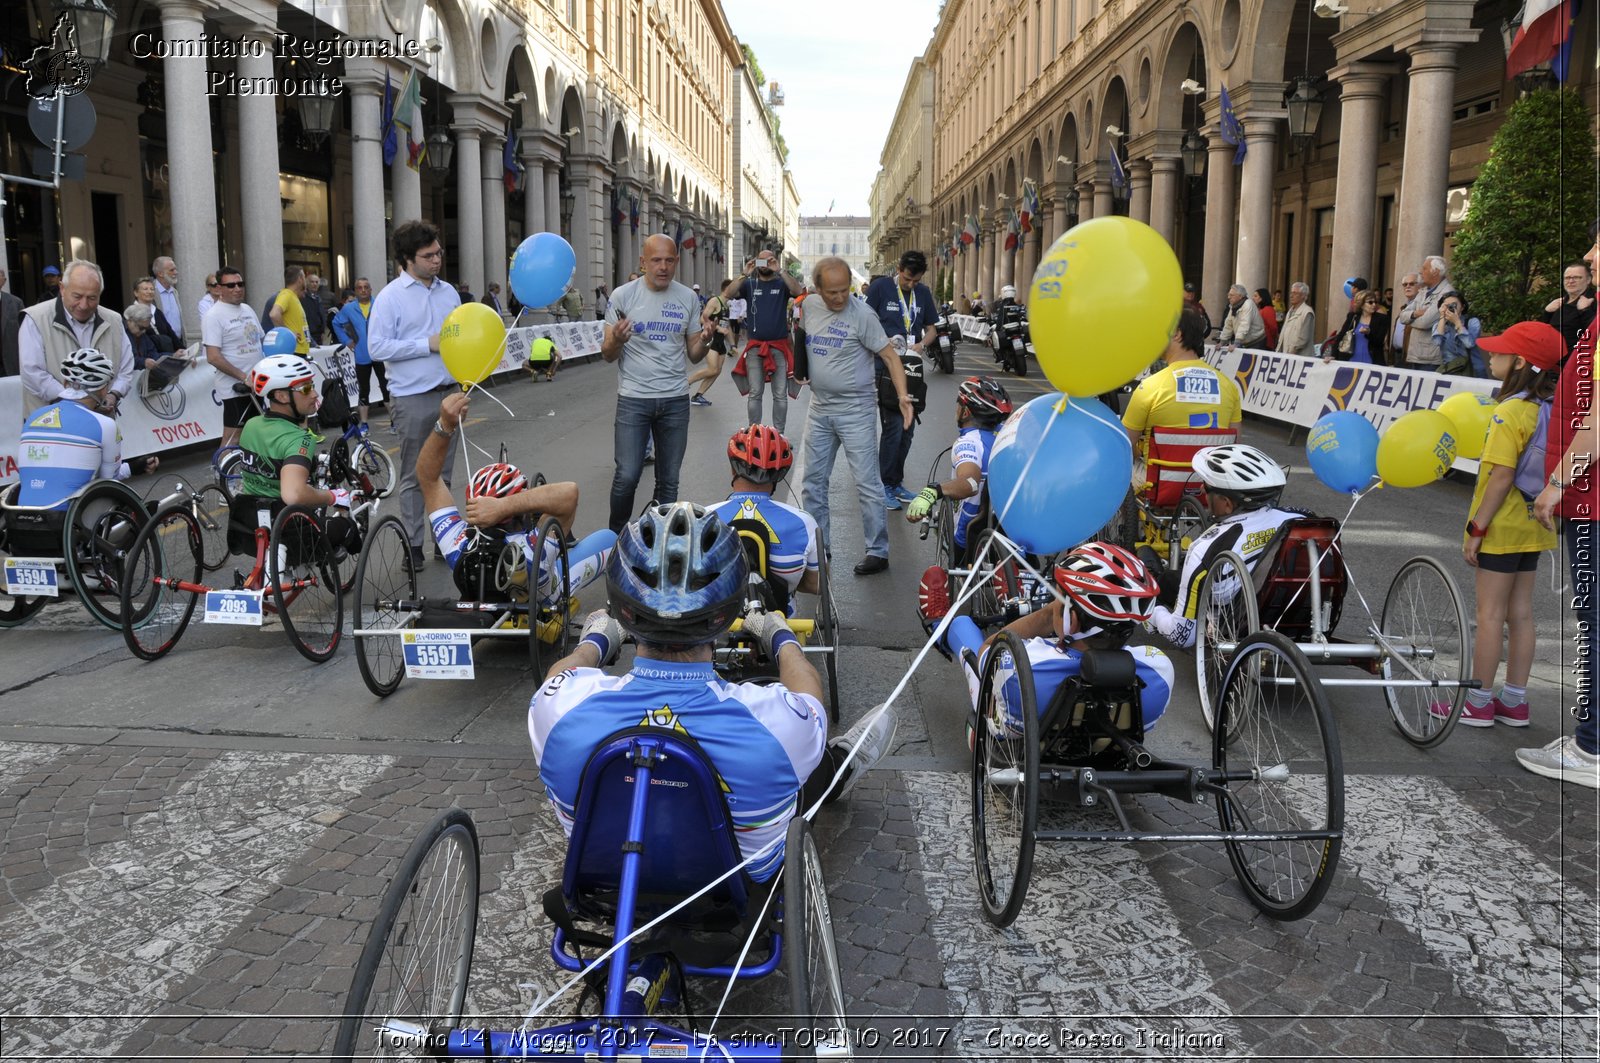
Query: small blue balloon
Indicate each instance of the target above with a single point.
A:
(1343, 450)
(541, 269)
(279, 341)
(1074, 467)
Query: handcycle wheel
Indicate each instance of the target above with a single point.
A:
(1276, 738)
(828, 632)
(1189, 519)
(549, 620)
(372, 469)
(1423, 609)
(101, 525)
(944, 531)
(1001, 581)
(816, 991)
(384, 579)
(1005, 783)
(229, 466)
(418, 954)
(1225, 613)
(210, 508)
(154, 613)
(302, 572)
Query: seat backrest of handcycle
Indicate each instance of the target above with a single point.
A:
(1106, 689)
(34, 532)
(244, 518)
(1169, 462)
(1284, 569)
(687, 838)
(757, 543)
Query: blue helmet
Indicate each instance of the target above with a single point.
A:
(677, 576)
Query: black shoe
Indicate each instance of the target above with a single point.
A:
(871, 564)
(418, 560)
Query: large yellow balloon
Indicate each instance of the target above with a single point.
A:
(471, 342)
(1417, 449)
(1104, 304)
(1470, 412)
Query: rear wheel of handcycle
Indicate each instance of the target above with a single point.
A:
(1423, 610)
(1005, 783)
(1276, 752)
(210, 508)
(1225, 613)
(373, 468)
(303, 574)
(154, 612)
(816, 991)
(554, 621)
(1189, 519)
(411, 981)
(101, 525)
(1002, 580)
(384, 581)
(827, 633)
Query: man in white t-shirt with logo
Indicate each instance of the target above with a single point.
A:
(231, 335)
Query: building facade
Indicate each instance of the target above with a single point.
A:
(1405, 99)
(617, 113)
(765, 207)
(848, 235)
(902, 193)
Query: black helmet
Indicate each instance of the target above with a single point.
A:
(985, 400)
(677, 576)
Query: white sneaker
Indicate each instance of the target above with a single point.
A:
(1562, 759)
(879, 728)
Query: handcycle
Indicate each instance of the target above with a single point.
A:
(354, 459)
(1003, 581)
(1165, 508)
(500, 599)
(1276, 776)
(653, 883)
(1417, 648)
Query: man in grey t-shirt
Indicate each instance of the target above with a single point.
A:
(653, 332)
(842, 337)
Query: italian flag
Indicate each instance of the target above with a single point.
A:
(1544, 29)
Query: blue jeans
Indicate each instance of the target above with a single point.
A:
(857, 432)
(638, 420)
(893, 446)
(1581, 536)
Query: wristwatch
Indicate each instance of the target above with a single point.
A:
(1476, 532)
(438, 426)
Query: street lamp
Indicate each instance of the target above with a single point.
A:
(1071, 200)
(1193, 150)
(1305, 108)
(94, 23)
(440, 150)
(316, 117)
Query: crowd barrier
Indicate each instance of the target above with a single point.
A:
(185, 414)
(972, 328)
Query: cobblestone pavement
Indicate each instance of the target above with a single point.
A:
(170, 902)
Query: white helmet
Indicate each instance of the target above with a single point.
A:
(1241, 472)
(87, 369)
(1008, 292)
(280, 371)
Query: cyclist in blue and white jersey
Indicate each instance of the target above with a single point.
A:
(981, 404)
(677, 583)
(761, 457)
(69, 443)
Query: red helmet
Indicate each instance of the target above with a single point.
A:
(760, 454)
(497, 480)
(1107, 582)
(986, 400)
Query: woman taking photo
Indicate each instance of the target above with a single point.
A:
(1456, 337)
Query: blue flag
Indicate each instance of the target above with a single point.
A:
(1232, 130)
(1119, 176)
(1561, 65)
(508, 161)
(391, 143)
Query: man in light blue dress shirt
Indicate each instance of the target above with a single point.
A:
(403, 333)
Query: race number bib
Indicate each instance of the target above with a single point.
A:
(34, 577)
(233, 607)
(1198, 386)
(437, 654)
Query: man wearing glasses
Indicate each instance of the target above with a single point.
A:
(231, 335)
(208, 300)
(403, 334)
(1397, 338)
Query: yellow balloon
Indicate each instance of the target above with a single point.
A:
(1104, 304)
(471, 342)
(1417, 449)
(1470, 412)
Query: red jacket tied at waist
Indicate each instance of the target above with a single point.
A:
(763, 350)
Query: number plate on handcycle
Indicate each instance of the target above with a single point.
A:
(437, 654)
(233, 607)
(33, 576)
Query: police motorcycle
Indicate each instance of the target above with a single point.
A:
(946, 335)
(1009, 339)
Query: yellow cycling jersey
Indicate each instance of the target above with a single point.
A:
(1186, 394)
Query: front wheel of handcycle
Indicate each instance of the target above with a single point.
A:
(101, 525)
(1424, 619)
(549, 627)
(1189, 520)
(1280, 776)
(386, 588)
(303, 574)
(411, 981)
(161, 581)
(1225, 614)
(372, 468)
(1005, 780)
(828, 633)
(210, 508)
(816, 991)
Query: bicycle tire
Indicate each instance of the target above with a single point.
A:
(101, 524)
(302, 574)
(384, 576)
(154, 614)
(992, 753)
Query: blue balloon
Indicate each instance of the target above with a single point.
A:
(1343, 450)
(1074, 467)
(279, 341)
(541, 269)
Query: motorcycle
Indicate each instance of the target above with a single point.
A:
(1010, 341)
(944, 345)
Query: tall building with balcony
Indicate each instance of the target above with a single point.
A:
(902, 193)
(847, 235)
(765, 207)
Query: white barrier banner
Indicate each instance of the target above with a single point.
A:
(972, 328)
(573, 339)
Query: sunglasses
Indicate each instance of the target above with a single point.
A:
(230, 284)
(304, 389)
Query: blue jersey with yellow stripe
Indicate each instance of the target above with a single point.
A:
(63, 447)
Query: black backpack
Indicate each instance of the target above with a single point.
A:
(335, 409)
(916, 383)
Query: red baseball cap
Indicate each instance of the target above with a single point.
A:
(1540, 345)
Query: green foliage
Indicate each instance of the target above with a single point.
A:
(755, 68)
(1530, 212)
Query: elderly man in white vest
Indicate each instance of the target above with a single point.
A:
(71, 321)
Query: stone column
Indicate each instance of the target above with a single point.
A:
(1255, 201)
(533, 219)
(1425, 168)
(626, 254)
(1006, 259)
(585, 179)
(986, 286)
(1166, 176)
(1355, 201)
(1058, 212)
(193, 180)
(469, 206)
(1102, 198)
(552, 196)
(1217, 261)
(494, 212)
(1086, 204)
(1139, 198)
(405, 184)
(260, 205)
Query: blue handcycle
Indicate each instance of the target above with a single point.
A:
(650, 886)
